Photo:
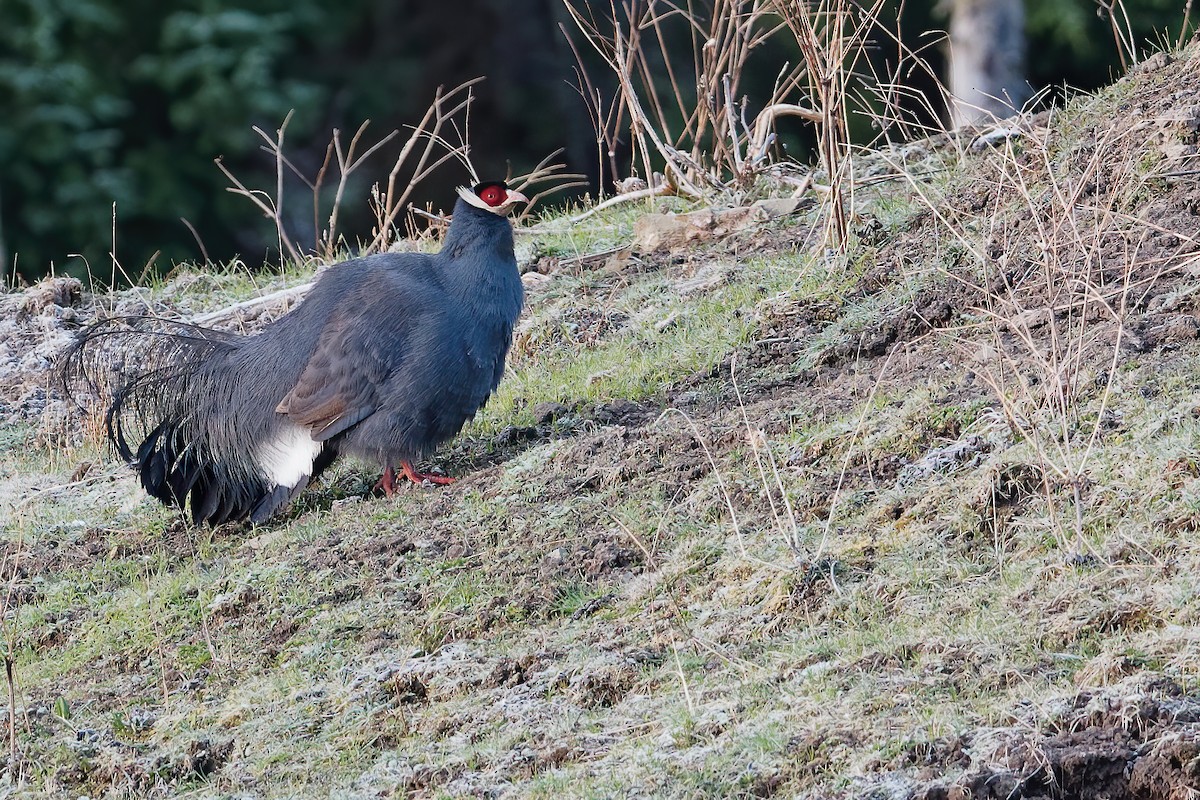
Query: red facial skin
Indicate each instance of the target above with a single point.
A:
(493, 195)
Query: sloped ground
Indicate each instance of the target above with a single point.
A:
(746, 520)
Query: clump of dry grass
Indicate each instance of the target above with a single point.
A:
(693, 133)
(442, 135)
(1057, 260)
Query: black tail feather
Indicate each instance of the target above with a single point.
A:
(149, 367)
(226, 506)
(177, 475)
(276, 499)
(153, 465)
(144, 450)
(183, 478)
(206, 498)
(326, 457)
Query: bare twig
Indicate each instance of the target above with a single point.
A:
(347, 164)
(832, 35)
(199, 241)
(440, 114)
(266, 206)
(13, 562)
(696, 133)
(292, 293)
(9, 673)
(549, 174)
(425, 138)
(643, 194)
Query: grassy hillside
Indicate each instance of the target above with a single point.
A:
(748, 518)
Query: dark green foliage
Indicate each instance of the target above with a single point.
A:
(1071, 41)
(127, 102)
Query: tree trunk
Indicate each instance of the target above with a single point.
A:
(987, 59)
(4, 253)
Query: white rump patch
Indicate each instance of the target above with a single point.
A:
(289, 456)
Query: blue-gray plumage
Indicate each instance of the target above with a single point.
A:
(387, 357)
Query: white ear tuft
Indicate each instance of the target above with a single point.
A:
(473, 199)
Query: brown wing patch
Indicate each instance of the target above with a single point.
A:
(317, 411)
(325, 391)
(330, 395)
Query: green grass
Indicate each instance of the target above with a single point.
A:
(646, 355)
(583, 617)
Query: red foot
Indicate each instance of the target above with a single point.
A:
(388, 482)
(421, 477)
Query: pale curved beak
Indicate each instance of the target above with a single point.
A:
(515, 197)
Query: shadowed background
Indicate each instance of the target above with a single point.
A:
(125, 103)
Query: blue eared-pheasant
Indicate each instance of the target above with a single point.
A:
(387, 357)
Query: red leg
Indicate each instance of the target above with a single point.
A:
(420, 477)
(387, 482)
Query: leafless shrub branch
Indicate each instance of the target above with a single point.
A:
(428, 147)
(1061, 265)
(689, 125)
(686, 113)
(832, 35)
(428, 134)
(548, 177)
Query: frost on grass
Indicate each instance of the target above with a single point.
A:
(746, 519)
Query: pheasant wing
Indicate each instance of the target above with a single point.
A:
(338, 386)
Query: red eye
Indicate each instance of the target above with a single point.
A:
(492, 195)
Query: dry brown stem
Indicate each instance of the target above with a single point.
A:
(425, 140)
(695, 133)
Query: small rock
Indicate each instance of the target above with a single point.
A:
(133, 305)
(60, 291)
(141, 719)
(232, 603)
(545, 413)
(534, 281)
(514, 434)
(943, 459)
(1181, 328)
(994, 137)
(773, 207)
(607, 557)
(618, 412)
(985, 354)
(631, 184)
(1030, 319)
(88, 735)
(1154, 62)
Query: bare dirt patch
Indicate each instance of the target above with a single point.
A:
(582, 606)
(1104, 745)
